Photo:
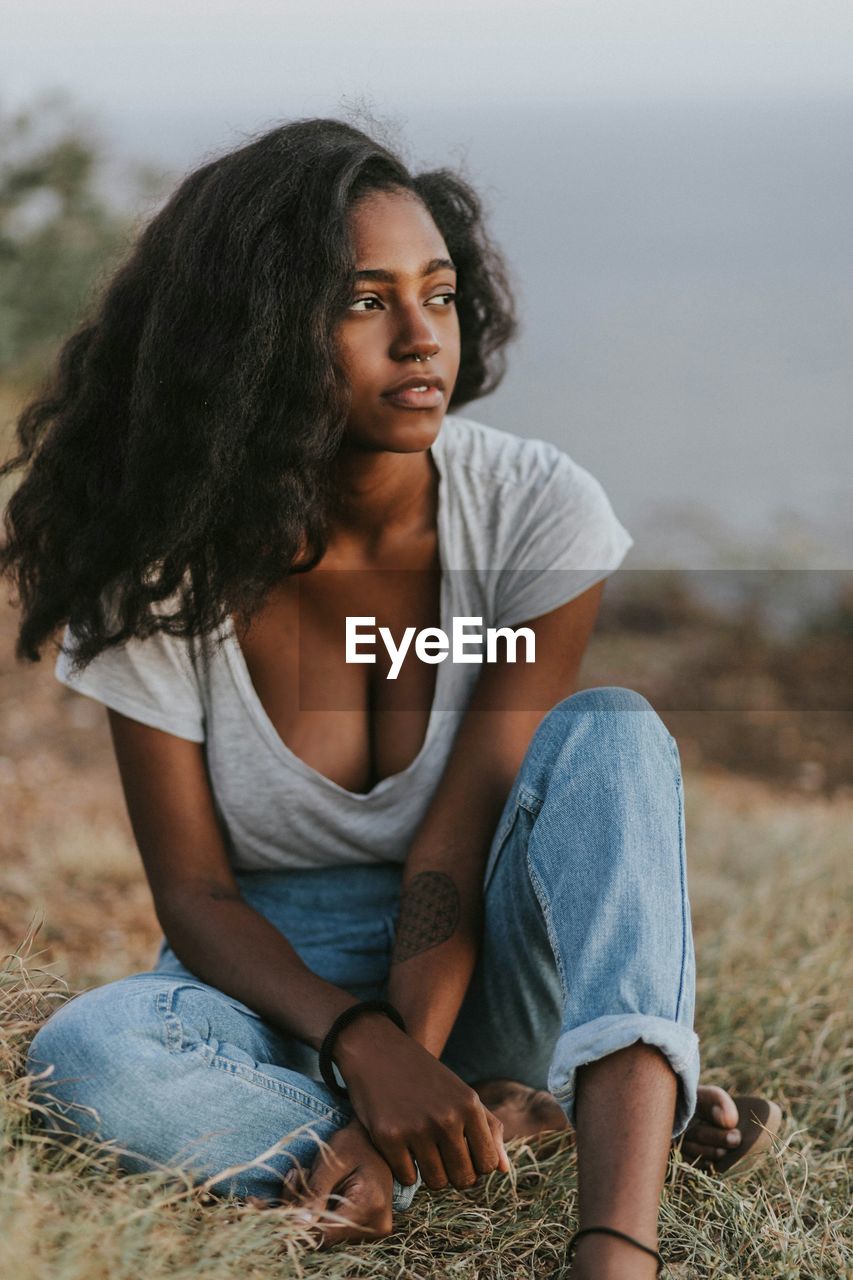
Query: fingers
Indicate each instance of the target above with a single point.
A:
(431, 1164)
(314, 1203)
(294, 1184)
(397, 1156)
(458, 1161)
(455, 1142)
(363, 1214)
(461, 1156)
(341, 1220)
(496, 1130)
(346, 1193)
(325, 1172)
(484, 1133)
(352, 1210)
(312, 1190)
(446, 1161)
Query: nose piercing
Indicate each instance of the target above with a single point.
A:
(423, 357)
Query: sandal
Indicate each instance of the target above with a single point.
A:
(759, 1120)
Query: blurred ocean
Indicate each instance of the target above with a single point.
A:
(685, 279)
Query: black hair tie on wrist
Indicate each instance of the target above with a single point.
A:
(349, 1015)
(620, 1235)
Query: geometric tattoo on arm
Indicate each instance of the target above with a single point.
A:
(429, 914)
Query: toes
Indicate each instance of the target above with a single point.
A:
(547, 1112)
(709, 1135)
(702, 1154)
(714, 1104)
(503, 1093)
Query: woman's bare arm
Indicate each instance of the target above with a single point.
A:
(410, 1103)
(438, 930)
(211, 928)
(407, 1100)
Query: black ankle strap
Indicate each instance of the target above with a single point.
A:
(620, 1235)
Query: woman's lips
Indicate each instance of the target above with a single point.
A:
(413, 399)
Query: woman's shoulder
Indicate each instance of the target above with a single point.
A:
(513, 477)
(498, 457)
(152, 679)
(526, 501)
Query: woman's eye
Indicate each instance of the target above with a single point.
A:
(357, 302)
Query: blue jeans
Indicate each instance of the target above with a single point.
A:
(586, 949)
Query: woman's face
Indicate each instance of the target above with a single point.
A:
(403, 307)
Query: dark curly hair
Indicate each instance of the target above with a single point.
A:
(184, 446)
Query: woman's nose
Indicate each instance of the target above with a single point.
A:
(415, 336)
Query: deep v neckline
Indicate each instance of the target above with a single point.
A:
(254, 706)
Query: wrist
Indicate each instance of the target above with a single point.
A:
(330, 1053)
(433, 1039)
(429, 1027)
(360, 1041)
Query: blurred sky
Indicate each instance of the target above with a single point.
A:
(262, 53)
(670, 181)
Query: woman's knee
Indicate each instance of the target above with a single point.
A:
(80, 1059)
(159, 1067)
(607, 699)
(604, 753)
(610, 717)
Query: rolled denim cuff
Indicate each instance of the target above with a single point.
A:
(402, 1197)
(603, 1036)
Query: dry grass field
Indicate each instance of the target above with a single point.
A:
(770, 867)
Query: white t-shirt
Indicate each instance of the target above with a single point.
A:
(522, 529)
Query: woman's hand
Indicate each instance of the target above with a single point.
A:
(352, 1169)
(413, 1106)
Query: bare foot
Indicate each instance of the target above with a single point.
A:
(525, 1112)
(522, 1111)
(713, 1131)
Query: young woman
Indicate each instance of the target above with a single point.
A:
(409, 916)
